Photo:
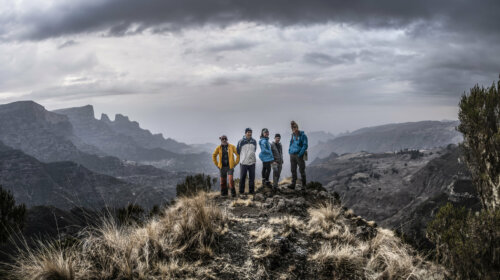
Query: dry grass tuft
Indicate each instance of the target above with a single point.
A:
(382, 257)
(49, 261)
(290, 224)
(165, 247)
(263, 239)
(242, 202)
(345, 261)
(328, 222)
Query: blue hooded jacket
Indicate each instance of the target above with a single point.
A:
(298, 144)
(266, 154)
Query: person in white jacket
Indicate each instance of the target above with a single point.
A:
(246, 149)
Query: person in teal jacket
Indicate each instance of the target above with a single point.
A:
(266, 155)
(297, 149)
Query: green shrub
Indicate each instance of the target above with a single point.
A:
(467, 243)
(132, 214)
(192, 185)
(479, 117)
(12, 216)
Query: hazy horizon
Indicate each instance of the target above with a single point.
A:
(194, 70)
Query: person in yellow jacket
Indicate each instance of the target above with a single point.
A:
(224, 158)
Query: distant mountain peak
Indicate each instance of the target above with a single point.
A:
(85, 112)
(105, 118)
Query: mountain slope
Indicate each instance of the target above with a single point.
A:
(65, 184)
(392, 137)
(400, 190)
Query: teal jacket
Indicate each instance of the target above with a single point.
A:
(266, 154)
(298, 144)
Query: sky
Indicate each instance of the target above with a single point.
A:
(194, 70)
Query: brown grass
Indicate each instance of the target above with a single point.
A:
(343, 255)
(166, 247)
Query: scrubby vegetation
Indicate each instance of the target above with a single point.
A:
(192, 185)
(185, 233)
(466, 242)
(479, 117)
(12, 216)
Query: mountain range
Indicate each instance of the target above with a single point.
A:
(390, 138)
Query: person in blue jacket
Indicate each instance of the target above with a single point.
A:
(266, 155)
(298, 147)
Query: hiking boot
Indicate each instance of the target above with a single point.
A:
(291, 186)
(233, 192)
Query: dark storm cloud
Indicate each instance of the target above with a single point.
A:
(323, 59)
(122, 17)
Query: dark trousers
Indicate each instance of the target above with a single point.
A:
(266, 171)
(295, 161)
(243, 176)
(276, 173)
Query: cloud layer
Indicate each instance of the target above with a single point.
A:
(260, 63)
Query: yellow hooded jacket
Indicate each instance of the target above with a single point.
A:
(231, 150)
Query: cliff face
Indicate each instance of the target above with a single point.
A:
(27, 126)
(126, 140)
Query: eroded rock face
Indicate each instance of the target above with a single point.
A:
(126, 140)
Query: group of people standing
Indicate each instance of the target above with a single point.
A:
(226, 156)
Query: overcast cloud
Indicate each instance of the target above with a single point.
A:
(195, 69)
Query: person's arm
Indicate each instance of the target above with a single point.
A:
(237, 158)
(238, 147)
(304, 146)
(214, 156)
(269, 150)
(275, 151)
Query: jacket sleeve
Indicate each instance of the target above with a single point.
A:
(237, 157)
(274, 149)
(238, 147)
(291, 141)
(269, 150)
(304, 145)
(214, 156)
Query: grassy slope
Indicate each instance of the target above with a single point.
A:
(284, 236)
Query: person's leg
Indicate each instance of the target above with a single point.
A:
(293, 164)
(263, 173)
(243, 177)
(251, 185)
(276, 174)
(223, 181)
(280, 166)
(268, 171)
(302, 169)
(230, 177)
